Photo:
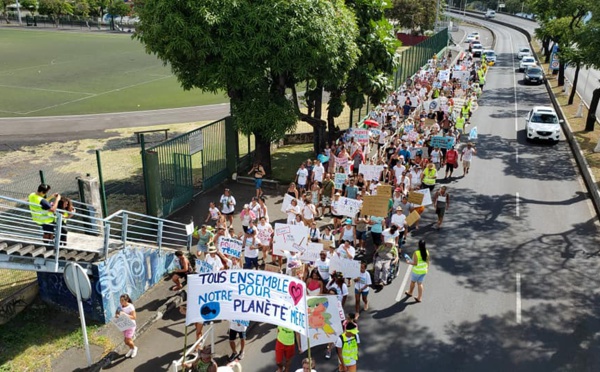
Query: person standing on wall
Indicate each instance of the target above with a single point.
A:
(184, 269)
(259, 173)
(42, 211)
(127, 309)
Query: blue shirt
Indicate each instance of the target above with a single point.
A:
(377, 227)
(405, 153)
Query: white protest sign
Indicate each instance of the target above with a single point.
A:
(444, 75)
(370, 171)
(325, 316)
(361, 136)
(203, 267)
(287, 201)
(350, 268)
(259, 296)
(342, 162)
(123, 322)
(339, 179)
(311, 252)
(413, 135)
(426, 197)
(230, 247)
(348, 207)
(290, 238)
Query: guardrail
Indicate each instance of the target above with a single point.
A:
(17, 225)
(177, 365)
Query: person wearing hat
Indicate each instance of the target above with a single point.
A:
(251, 246)
(348, 232)
(213, 259)
(384, 256)
(429, 176)
(347, 348)
(205, 362)
(399, 220)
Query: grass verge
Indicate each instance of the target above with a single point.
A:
(39, 334)
(12, 281)
(587, 140)
(286, 161)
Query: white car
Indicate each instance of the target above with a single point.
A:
(490, 55)
(527, 61)
(543, 123)
(523, 51)
(472, 36)
(477, 50)
(490, 14)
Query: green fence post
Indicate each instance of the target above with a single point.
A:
(145, 172)
(231, 145)
(102, 188)
(42, 178)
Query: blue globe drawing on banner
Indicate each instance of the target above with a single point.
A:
(210, 310)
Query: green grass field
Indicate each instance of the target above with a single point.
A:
(44, 73)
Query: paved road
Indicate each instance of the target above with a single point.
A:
(588, 78)
(513, 281)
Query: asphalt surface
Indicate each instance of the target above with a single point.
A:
(513, 280)
(588, 78)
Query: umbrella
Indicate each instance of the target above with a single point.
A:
(371, 123)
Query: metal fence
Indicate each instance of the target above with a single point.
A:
(417, 56)
(66, 21)
(177, 169)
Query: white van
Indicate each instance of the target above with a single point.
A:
(490, 14)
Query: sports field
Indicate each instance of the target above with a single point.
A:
(45, 73)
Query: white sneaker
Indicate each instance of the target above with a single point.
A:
(134, 352)
(129, 353)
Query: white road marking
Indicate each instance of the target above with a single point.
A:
(403, 285)
(46, 90)
(518, 306)
(517, 155)
(517, 205)
(512, 52)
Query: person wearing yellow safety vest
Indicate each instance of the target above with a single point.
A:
(460, 125)
(285, 348)
(420, 261)
(481, 76)
(429, 176)
(42, 211)
(347, 348)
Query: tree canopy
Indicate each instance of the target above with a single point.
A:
(253, 50)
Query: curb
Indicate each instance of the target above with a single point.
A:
(582, 163)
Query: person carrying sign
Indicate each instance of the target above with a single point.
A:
(128, 310)
(347, 348)
(285, 348)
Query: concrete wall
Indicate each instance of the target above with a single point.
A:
(130, 270)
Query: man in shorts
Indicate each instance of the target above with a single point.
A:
(466, 156)
(285, 348)
(327, 193)
(237, 328)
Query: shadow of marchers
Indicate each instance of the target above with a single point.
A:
(395, 309)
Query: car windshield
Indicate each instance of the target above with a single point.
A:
(528, 60)
(534, 71)
(544, 118)
(490, 54)
(525, 50)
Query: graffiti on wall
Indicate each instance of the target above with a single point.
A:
(132, 271)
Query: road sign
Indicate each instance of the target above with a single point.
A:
(79, 284)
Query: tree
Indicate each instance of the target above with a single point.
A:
(589, 46)
(416, 16)
(254, 51)
(55, 9)
(117, 8)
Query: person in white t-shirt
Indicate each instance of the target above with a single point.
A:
(391, 233)
(213, 259)
(251, 247)
(322, 265)
(318, 172)
(227, 202)
(345, 250)
(213, 214)
(128, 310)
(302, 177)
(466, 156)
(399, 220)
(361, 288)
(308, 365)
(398, 171)
(237, 328)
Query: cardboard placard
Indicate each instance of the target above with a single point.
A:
(272, 268)
(375, 205)
(413, 217)
(326, 244)
(384, 190)
(415, 197)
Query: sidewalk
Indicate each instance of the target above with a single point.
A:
(160, 336)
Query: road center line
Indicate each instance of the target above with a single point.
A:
(517, 155)
(512, 52)
(403, 285)
(518, 308)
(517, 204)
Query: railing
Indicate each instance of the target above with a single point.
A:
(178, 364)
(123, 226)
